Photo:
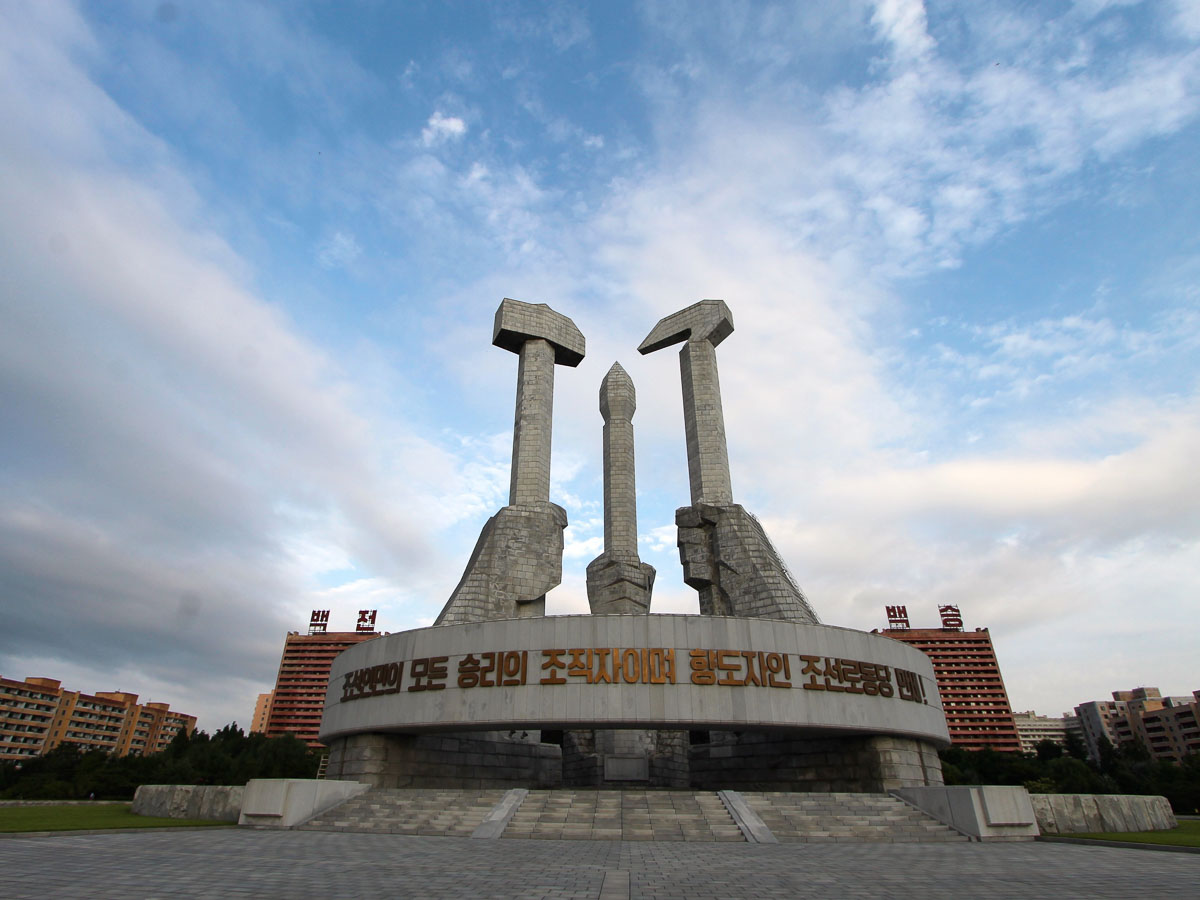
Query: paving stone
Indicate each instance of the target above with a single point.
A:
(307, 865)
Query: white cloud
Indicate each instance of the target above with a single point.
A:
(800, 222)
(1010, 362)
(1187, 18)
(177, 449)
(902, 22)
(441, 128)
(338, 251)
(563, 25)
(660, 539)
(948, 153)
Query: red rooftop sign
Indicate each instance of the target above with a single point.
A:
(319, 622)
(951, 618)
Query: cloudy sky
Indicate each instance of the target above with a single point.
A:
(250, 255)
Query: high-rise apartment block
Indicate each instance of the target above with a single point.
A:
(1168, 727)
(298, 701)
(262, 713)
(1033, 729)
(978, 713)
(37, 715)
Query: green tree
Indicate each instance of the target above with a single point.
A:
(1127, 770)
(229, 756)
(1047, 750)
(1075, 746)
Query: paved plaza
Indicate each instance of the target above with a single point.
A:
(221, 863)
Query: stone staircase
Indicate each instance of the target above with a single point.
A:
(810, 818)
(636, 815)
(453, 813)
(626, 815)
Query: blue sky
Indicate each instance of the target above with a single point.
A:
(250, 254)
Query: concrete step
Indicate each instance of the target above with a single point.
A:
(812, 818)
(410, 811)
(636, 815)
(627, 815)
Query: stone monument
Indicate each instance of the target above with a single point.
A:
(518, 556)
(752, 693)
(726, 555)
(617, 580)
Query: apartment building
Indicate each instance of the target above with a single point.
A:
(1168, 727)
(262, 713)
(1033, 729)
(298, 701)
(38, 714)
(974, 699)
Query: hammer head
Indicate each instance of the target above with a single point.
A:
(708, 320)
(518, 322)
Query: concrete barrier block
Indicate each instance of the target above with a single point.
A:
(283, 802)
(966, 809)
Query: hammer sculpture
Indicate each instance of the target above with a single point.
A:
(726, 555)
(518, 556)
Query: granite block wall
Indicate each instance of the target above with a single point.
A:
(1077, 813)
(459, 760)
(611, 758)
(728, 558)
(220, 803)
(789, 762)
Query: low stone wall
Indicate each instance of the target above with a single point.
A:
(1078, 813)
(221, 803)
(466, 760)
(779, 761)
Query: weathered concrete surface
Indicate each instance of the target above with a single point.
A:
(220, 803)
(789, 761)
(542, 338)
(1079, 813)
(517, 322)
(987, 812)
(617, 580)
(726, 555)
(617, 586)
(663, 671)
(625, 758)
(702, 326)
(516, 561)
(728, 558)
(284, 802)
(747, 820)
(474, 760)
(500, 815)
(518, 557)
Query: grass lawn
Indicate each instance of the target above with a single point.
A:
(1186, 835)
(80, 817)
